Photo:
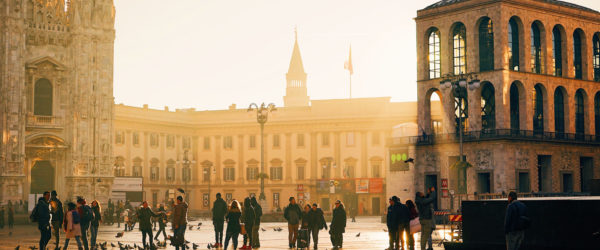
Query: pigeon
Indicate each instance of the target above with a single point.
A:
(410, 160)
(199, 224)
(194, 246)
(262, 229)
(358, 235)
(112, 245)
(209, 246)
(18, 246)
(119, 235)
(33, 248)
(191, 227)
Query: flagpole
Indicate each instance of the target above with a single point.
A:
(350, 84)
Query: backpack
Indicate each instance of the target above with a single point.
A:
(88, 214)
(294, 218)
(34, 216)
(76, 218)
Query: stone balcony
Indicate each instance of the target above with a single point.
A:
(44, 122)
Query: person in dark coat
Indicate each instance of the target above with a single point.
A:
(515, 222)
(42, 211)
(95, 223)
(338, 225)
(87, 215)
(179, 223)
(393, 223)
(162, 222)
(257, 214)
(10, 216)
(56, 209)
(404, 223)
(248, 217)
(316, 222)
(293, 215)
(425, 215)
(144, 215)
(218, 217)
(233, 224)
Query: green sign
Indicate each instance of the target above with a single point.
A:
(398, 158)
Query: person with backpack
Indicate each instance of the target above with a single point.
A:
(248, 217)
(316, 222)
(293, 214)
(219, 211)
(86, 215)
(515, 222)
(338, 225)
(95, 223)
(41, 215)
(56, 209)
(257, 213)
(72, 226)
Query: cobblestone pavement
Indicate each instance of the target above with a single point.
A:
(372, 236)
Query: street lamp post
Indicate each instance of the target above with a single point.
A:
(458, 84)
(185, 162)
(206, 171)
(262, 115)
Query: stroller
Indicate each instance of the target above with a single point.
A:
(303, 239)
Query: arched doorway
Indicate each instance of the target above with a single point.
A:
(42, 177)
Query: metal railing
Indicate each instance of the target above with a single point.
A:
(43, 121)
(498, 134)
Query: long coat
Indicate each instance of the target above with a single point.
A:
(72, 230)
(144, 216)
(338, 222)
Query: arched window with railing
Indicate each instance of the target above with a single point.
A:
(459, 41)
(513, 44)
(577, 54)
(538, 109)
(559, 110)
(514, 107)
(536, 48)
(42, 100)
(580, 112)
(434, 57)
(488, 107)
(557, 50)
(486, 44)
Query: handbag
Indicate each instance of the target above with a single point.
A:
(415, 225)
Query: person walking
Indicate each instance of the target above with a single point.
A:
(257, 214)
(95, 223)
(434, 208)
(515, 222)
(219, 211)
(412, 211)
(56, 209)
(179, 223)
(293, 214)
(72, 226)
(41, 214)
(11, 217)
(424, 206)
(233, 224)
(316, 222)
(162, 222)
(403, 223)
(304, 225)
(393, 223)
(87, 215)
(338, 225)
(248, 217)
(144, 215)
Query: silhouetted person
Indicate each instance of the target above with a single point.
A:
(293, 215)
(393, 223)
(515, 223)
(56, 209)
(233, 224)
(87, 215)
(338, 225)
(41, 214)
(257, 214)
(72, 226)
(179, 223)
(316, 222)
(95, 223)
(425, 215)
(219, 211)
(248, 217)
(144, 215)
(162, 222)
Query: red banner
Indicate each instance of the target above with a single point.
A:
(376, 185)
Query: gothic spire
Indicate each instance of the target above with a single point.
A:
(296, 65)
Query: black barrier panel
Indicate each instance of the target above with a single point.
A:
(555, 224)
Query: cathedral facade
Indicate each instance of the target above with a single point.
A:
(56, 98)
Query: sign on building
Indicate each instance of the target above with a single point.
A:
(398, 156)
(128, 189)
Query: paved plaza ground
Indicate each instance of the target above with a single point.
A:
(372, 236)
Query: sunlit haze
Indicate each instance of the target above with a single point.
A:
(210, 54)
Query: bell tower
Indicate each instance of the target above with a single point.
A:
(296, 93)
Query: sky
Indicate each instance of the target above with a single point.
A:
(209, 54)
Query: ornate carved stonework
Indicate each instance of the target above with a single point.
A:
(484, 159)
(522, 159)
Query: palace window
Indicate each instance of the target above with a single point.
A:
(596, 58)
(154, 140)
(120, 137)
(170, 170)
(136, 138)
(300, 168)
(252, 142)
(536, 49)
(42, 100)
(459, 35)
(227, 142)
(577, 55)
(513, 44)
(463, 101)
(252, 173)
(579, 113)
(186, 142)
(538, 110)
(514, 107)
(486, 45)
(559, 111)
(154, 170)
(229, 174)
(170, 141)
(206, 143)
(434, 54)
(557, 50)
(488, 107)
(276, 141)
(137, 167)
(276, 173)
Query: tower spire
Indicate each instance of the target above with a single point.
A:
(296, 93)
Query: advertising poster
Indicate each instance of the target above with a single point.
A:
(362, 186)
(376, 186)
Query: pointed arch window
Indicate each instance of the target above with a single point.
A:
(559, 111)
(538, 112)
(459, 34)
(557, 51)
(488, 107)
(579, 113)
(513, 44)
(577, 58)
(596, 58)
(536, 49)
(42, 100)
(514, 107)
(486, 45)
(434, 54)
